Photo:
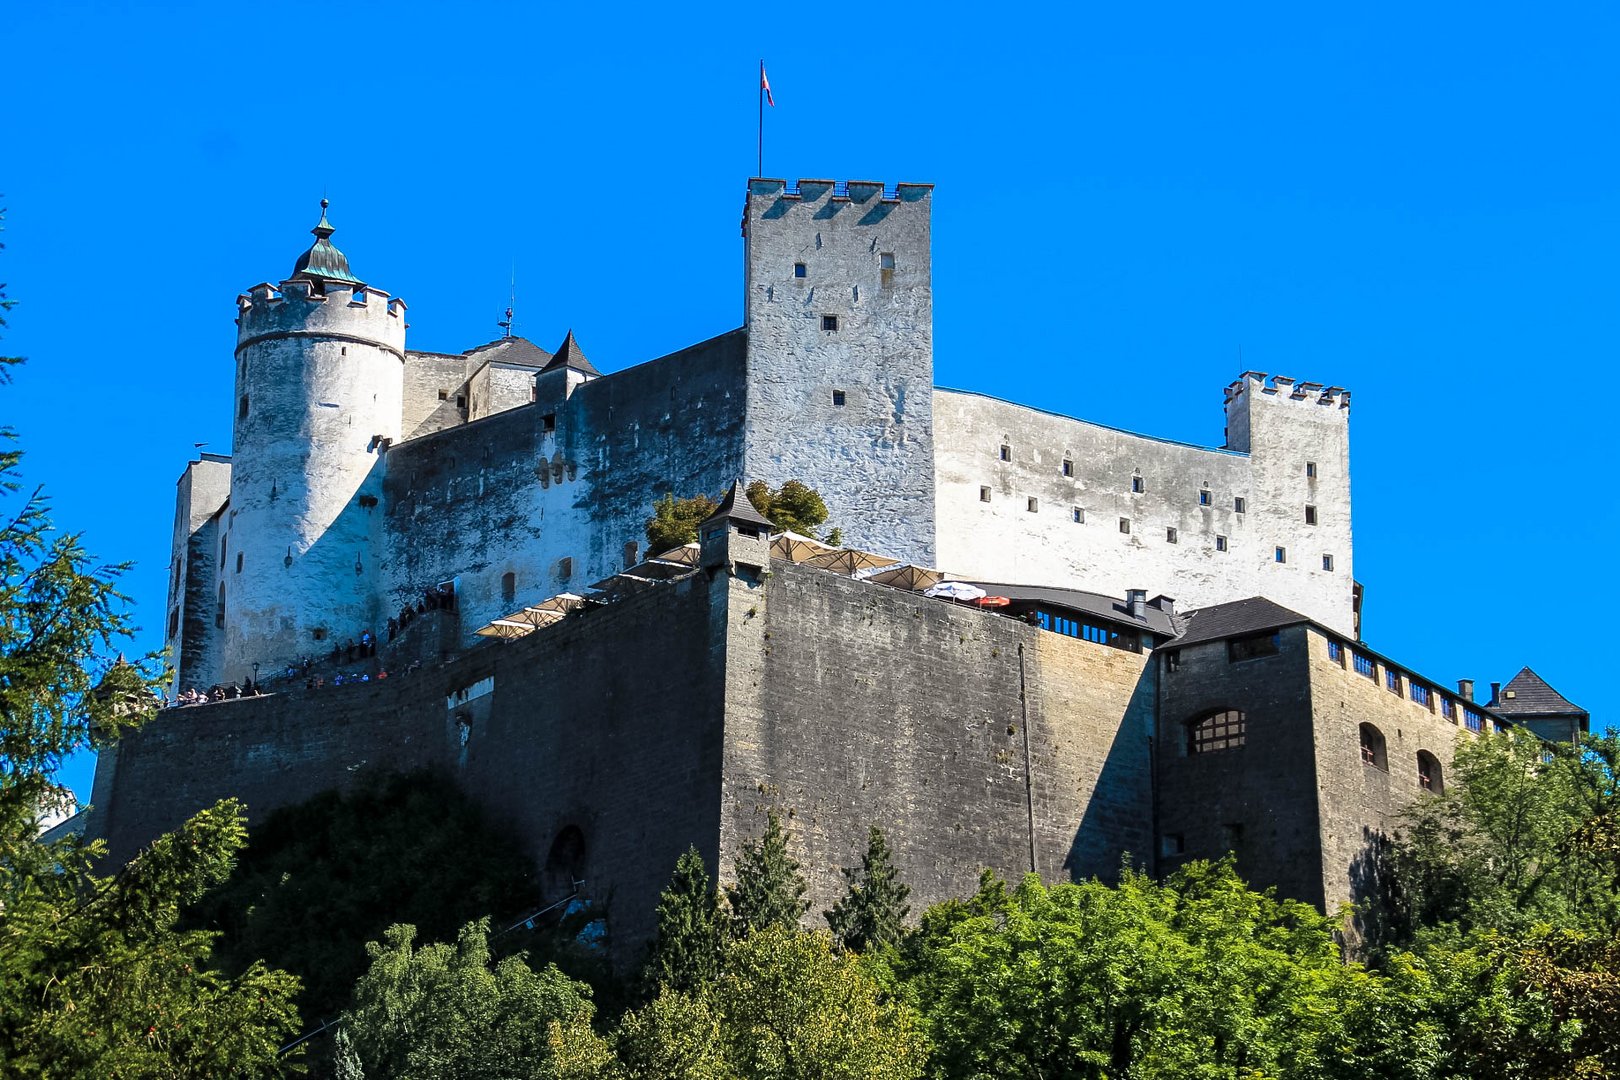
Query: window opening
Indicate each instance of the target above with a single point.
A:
(1336, 653)
(1172, 660)
(1365, 666)
(461, 401)
(1125, 525)
(565, 567)
(1281, 554)
(630, 552)
(1392, 681)
(839, 398)
(800, 270)
(1137, 486)
(1204, 497)
(508, 587)
(242, 409)
(1420, 694)
(1034, 505)
(1253, 646)
(1170, 536)
(1079, 516)
(1220, 542)
(1473, 720)
(829, 323)
(1327, 563)
(984, 494)
(1068, 467)
(1310, 515)
(1430, 775)
(1240, 504)
(444, 395)
(1372, 748)
(238, 562)
(1310, 470)
(548, 422)
(886, 260)
(1006, 452)
(1224, 729)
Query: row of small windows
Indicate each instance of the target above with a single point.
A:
(1129, 640)
(1227, 729)
(1239, 503)
(885, 264)
(1402, 685)
(1139, 484)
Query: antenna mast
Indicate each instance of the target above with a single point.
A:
(511, 303)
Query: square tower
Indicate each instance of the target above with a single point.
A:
(840, 324)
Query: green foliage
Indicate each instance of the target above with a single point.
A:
(770, 886)
(1525, 834)
(789, 1005)
(675, 521)
(691, 927)
(872, 914)
(95, 977)
(321, 878)
(444, 1011)
(793, 506)
(1201, 977)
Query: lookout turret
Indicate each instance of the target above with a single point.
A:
(319, 387)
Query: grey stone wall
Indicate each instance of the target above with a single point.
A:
(428, 375)
(552, 494)
(869, 452)
(192, 639)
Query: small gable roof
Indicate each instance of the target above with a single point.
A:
(569, 355)
(1533, 697)
(736, 507)
(518, 351)
(1252, 616)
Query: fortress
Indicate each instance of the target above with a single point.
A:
(616, 705)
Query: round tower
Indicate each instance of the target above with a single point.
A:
(319, 389)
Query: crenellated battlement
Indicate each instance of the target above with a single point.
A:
(855, 191)
(303, 307)
(1285, 386)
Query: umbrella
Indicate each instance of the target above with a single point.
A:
(796, 547)
(992, 601)
(915, 578)
(849, 562)
(687, 555)
(955, 590)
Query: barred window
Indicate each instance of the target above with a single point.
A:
(1224, 729)
(1421, 695)
(1365, 666)
(1430, 777)
(1448, 709)
(1372, 748)
(1474, 720)
(1336, 653)
(1392, 680)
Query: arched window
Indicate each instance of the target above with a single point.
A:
(1372, 747)
(1430, 776)
(1223, 729)
(564, 871)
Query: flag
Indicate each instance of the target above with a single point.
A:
(765, 85)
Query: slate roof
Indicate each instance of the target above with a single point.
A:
(1533, 697)
(1099, 604)
(518, 351)
(736, 507)
(569, 355)
(1252, 616)
(323, 262)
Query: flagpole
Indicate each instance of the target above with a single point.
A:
(760, 165)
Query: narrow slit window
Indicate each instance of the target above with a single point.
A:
(1079, 515)
(1170, 536)
(242, 409)
(238, 562)
(508, 587)
(1310, 515)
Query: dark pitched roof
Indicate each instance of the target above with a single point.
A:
(1100, 604)
(736, 507)
(569, 355)
(518, 351)
(1252, 616)
(1533, 697)
(323, 262)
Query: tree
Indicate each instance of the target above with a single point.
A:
(95, 977)
(770, 886)
(444, 1011)
(675, 521)
(873, 913)
(691, 928)
(788, 1005)
(793, 506)
(1523, 835)
(322, 877)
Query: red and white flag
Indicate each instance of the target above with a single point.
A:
(765, 85)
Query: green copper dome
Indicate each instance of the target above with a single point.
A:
(323, 262)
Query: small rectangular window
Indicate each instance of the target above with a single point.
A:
(1068, 467)
(1392, 680)
(461, 401)
(1172, 660)
(799, 270)
(886, 260)
(1281, 554)
(1254, 646)
(1203, 497)
(565, 567)
(1448, 709)
(630, 551)
(1170, 536)
(1125, 525)
(829, 322)
(1137, 486)
(1006, 452)
(1420, 694)
(1079, 516)
(1310, 515)
(839, 398)
(508, 587)
(242, 410)
(1220, 542)
(1240, 504)
(238, 562)
(1310, 470)
(1336, 653)
(1366, 666)
(548, 422)
(984, 494)
(1034, 505)
(444, 395)
(1172, 844)
(1327, 563)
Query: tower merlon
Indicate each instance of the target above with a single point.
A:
(1283, 385)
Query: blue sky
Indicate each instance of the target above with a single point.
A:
(1419, 202)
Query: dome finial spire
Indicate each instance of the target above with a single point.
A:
(324, 230)
(323, 262)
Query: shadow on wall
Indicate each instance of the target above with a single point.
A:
(1378, 912)
(1118, 820)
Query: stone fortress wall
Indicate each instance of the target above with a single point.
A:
(1026, 496)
